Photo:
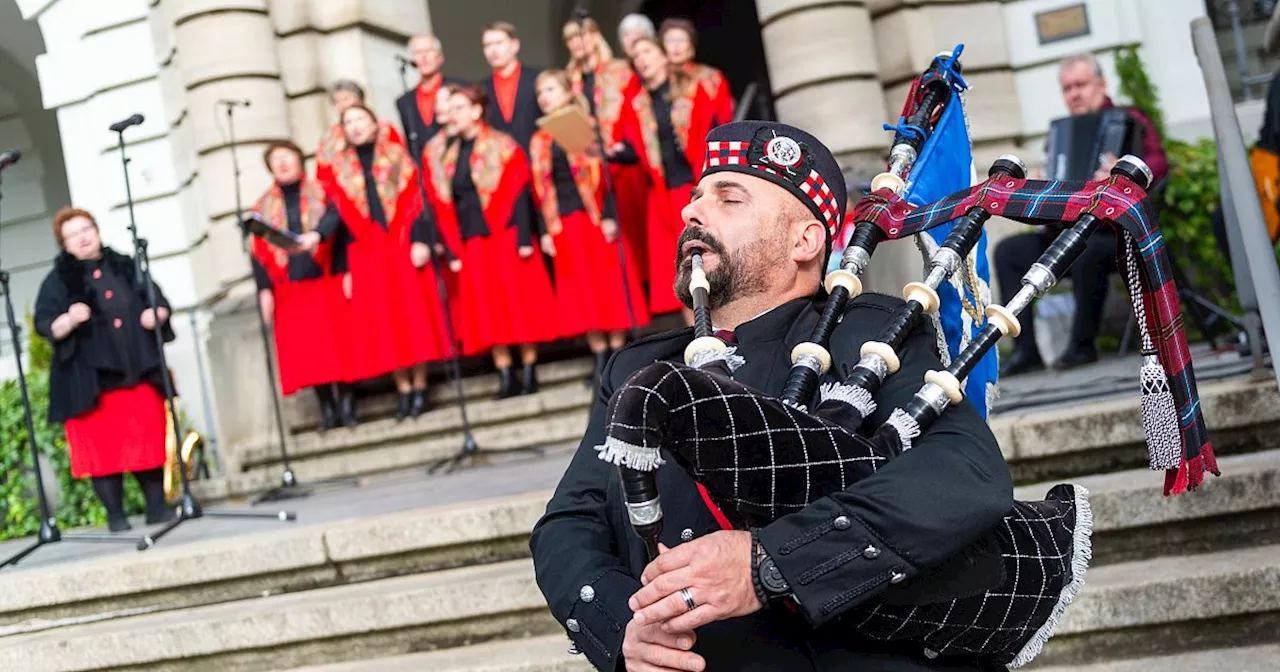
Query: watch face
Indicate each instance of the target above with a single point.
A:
(772, 578)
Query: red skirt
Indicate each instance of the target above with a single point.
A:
(665, 225)
(589, 283)
(630, 184)
(504, 300)
(394, 324)
(124, 432)
(311, 329)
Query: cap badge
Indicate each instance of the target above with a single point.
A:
(782, 151)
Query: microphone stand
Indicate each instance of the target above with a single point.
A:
(581, 15)
(189, 508)
(470, 449)
(49, 532)
(288, 488)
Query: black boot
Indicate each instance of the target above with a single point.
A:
(110, 491)
(1022, 360)
(529, 382)
(152, 484)
(1078, 354)
(506, 384)
(328, 407)
(598, 372)
(347, 405)
(405, 408)
(419, 403)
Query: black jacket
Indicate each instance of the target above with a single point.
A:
(525, 111)
(412, 122)
(89, 360)
(924, 508)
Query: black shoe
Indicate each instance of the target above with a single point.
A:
(506, 384)
(529, 380)
(329, 414)
(120, 524)
(405, 409)
(152, 484)
(162, 516)
(601, 359)
(1021, 361)
(1077, 355)
(347, 407)
(419, 404)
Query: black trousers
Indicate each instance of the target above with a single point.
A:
(1014, 257)
(110, 491)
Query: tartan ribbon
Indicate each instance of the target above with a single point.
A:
(1118, 202)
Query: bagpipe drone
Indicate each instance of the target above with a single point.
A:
(696, 415)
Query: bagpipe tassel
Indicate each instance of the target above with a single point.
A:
(906, 426)
(728, 355)
(1159, 411)
(857, 397)
(622, 454)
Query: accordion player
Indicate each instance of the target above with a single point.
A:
(762, 215)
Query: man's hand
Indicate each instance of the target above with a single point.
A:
(148, 318)
(419, 254)
(267, 301)
(717, 571)
(1104, 167)
(649, 648)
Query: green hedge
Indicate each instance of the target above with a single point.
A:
(19, 510)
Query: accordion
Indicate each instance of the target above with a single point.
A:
(1077, 144)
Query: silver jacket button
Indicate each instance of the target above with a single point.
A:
(871, 552)
(686, 534)
(842, 522)
(897, 577)
(573, 626)
(587, 593)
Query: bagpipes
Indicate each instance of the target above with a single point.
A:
(716, 429)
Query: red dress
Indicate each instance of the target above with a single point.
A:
(503, 299)
(125, 432)
(591, 293)
(400, 324)
(690, 120)
(310, 324)
(614, 89)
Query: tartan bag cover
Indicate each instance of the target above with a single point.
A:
(1118, 202)
(760, 459)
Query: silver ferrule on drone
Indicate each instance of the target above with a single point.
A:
(933, 395)
(645, 513)
(855, 259)
(901, 158)
(875, 364)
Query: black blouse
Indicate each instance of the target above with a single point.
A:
(470, 213)
(302, 266)
(568, 200)
(675, 167)
(376, 212)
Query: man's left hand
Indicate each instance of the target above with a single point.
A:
(1104, 167)
(717, 571)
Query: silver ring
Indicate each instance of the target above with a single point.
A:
(688, 598)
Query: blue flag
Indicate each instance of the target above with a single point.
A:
(945, 166)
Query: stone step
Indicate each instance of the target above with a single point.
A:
(392, 616)
(1171, 604)
(302, 411)
(287, 560)
(1106, 436)
(535, 654)
(1134, 521)
(1242, 659)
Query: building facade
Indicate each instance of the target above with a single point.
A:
(70, 68)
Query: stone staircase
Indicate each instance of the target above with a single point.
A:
(1191, 581)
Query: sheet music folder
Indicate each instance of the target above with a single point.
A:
(287, 240)
(570, 127)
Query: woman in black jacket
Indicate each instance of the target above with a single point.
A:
(105, 381)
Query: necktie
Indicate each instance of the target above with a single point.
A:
(726, 335)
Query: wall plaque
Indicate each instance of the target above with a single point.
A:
(1062, 23)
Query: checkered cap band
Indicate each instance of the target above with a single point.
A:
(813, 190)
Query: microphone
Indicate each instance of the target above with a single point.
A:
(131, 121)
(234, 102)
(580, 12)
(9, 157)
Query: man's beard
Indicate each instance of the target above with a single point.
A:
(734, 276)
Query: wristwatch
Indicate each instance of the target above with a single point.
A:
(770, 585)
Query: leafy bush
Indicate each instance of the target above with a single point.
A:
(77, 504)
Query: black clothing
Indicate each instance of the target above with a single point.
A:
(102, 354)
(466, 203)
(417, 131)
(302, 266)
(568, 200)
(525, 111)
(1014, 257)
(1269, 134)
(924, 507)
(589, 91)
(675, 167)
(376, 212)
